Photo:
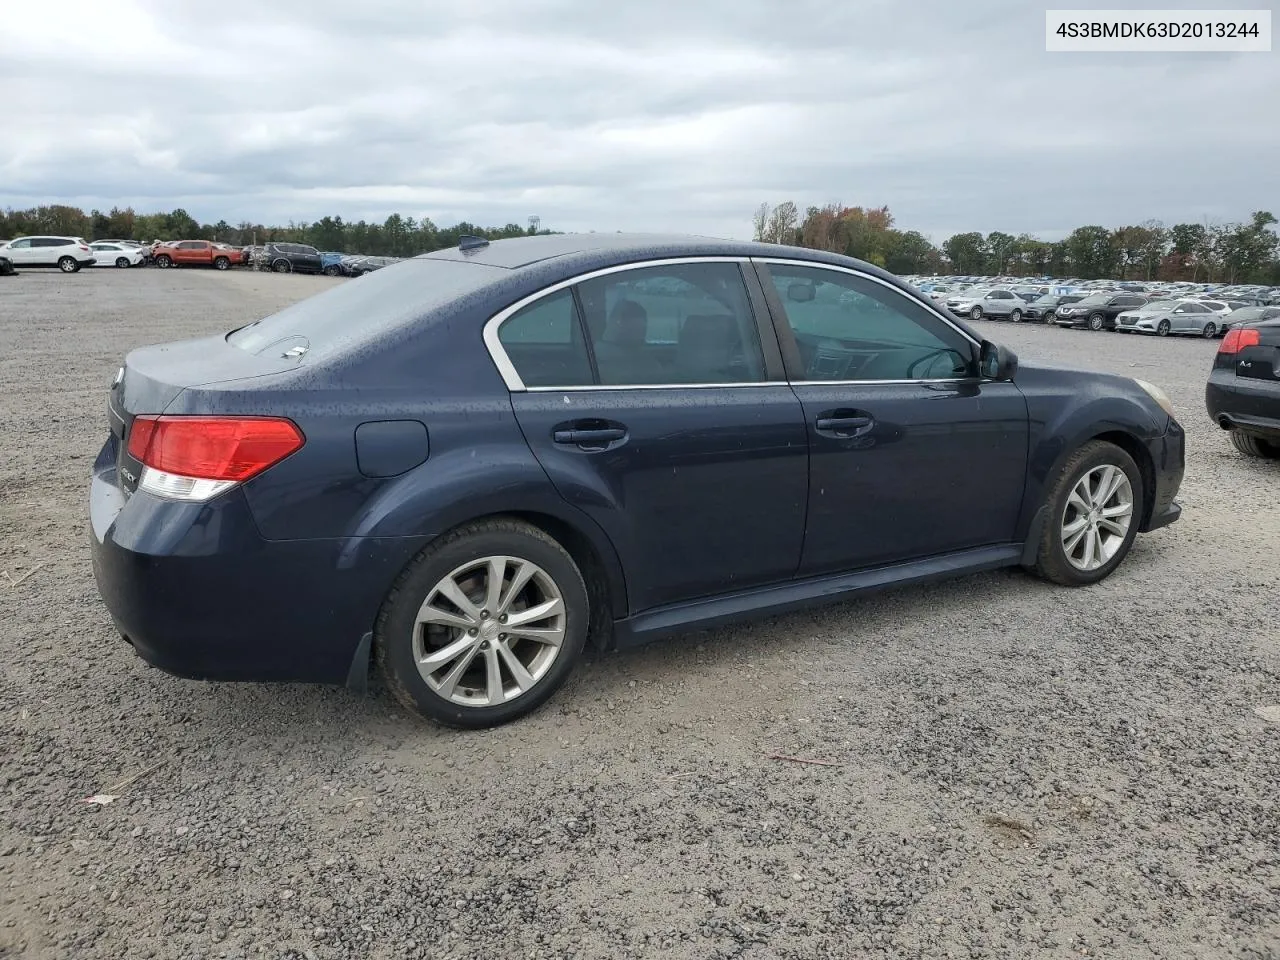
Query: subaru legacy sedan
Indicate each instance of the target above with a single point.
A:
(468, 465)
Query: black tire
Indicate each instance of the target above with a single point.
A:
(221, 263)
(281, 266)
(1252, 446)
(975, 313)
(331, 270)
(1097, 321)
(1163, 328)
(394, 630)
(122, 263)
(1015, 316)
(1051, 557)
(68, 265)
(163, 262)
(1210, 330)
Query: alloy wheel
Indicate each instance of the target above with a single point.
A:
(975, 313)
(1015, 316)
(489, 631)
(1097, 517)
(1210, 330)
(1163, 328)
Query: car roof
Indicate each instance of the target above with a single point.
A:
(601, 249)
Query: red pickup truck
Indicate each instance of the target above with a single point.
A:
(192, 253)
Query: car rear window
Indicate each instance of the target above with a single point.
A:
(380, 302)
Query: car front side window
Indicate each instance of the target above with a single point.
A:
(853, 328)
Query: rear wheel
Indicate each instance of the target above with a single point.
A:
(1210, 330)
(1094, 508)
(122, 263)
(68, 265)
(1252, 446)
(1163, 328)
(484, 625)
(221, 263)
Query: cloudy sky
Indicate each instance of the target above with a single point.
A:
(655, 115)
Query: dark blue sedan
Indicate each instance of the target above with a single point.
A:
(470, 463)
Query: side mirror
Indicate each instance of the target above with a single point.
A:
(996, 362)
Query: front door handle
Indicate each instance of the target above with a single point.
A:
(844, 423)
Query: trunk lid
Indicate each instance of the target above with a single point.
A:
(1262, 360)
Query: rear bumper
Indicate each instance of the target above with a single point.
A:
(1168, 457)
(199, 593)
(1244, 403)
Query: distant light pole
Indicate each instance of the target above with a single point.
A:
(534, 223)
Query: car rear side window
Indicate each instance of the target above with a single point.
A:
(544, 343)
(684, 323)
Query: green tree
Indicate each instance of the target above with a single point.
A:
(967, 252)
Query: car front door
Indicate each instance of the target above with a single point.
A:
(20, 251)
(654, 398)
(911, 453)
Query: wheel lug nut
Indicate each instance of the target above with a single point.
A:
(473, 631)
(502, 619)
(484, 614)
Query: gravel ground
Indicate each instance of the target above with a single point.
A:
(1016, 770)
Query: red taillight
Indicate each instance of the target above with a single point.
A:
(1239, 338)
(213, 448)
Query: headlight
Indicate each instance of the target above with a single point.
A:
(1158, 395)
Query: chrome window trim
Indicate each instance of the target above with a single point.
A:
(924, 302)
(507, 369)
(656, 386)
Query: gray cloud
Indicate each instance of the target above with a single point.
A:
(654, 116)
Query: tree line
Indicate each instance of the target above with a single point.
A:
(1247, 252)
(397, 236)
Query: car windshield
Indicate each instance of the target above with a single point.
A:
(1158, 306)
(1048, 300)
(1095, 300)
(380, 302)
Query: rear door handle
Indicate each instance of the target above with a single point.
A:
(594, 437)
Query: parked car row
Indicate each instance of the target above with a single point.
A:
(1106, 309)
(70, 254)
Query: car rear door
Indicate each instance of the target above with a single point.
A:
(653, 396)
(912, 455)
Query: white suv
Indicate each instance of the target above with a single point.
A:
(68, 254)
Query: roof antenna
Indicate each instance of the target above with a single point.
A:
(468, 242)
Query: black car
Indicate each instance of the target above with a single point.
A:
(471, 463)
(1042, 308)
(1099, 311)
(1243, 393)
(358, 268)
(6, 267)
(292, 258)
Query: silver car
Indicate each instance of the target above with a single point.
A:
(1163, 317)
(996, 304)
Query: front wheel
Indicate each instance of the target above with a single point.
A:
(282, 266)
(484, 625)
(1094, 509)
(1096, 321)
(1210, 330)
(164, 262)
(1163, 328)
(122, 263)
(331, 270)
(221, 263)
(68, 265)
(1252, 446)
(975, 313)
(1015, 316)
